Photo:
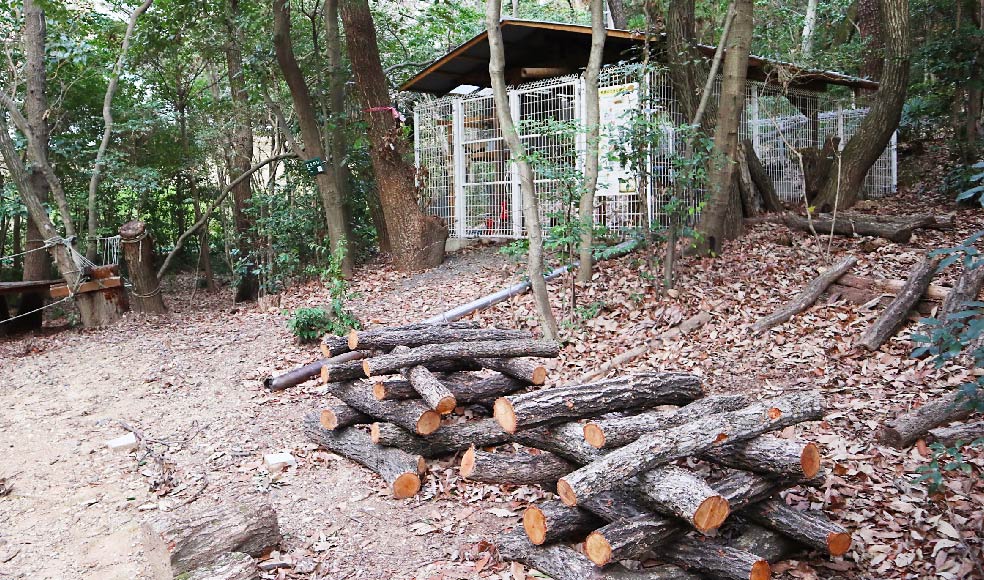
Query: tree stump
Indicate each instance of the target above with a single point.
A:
(138, 251)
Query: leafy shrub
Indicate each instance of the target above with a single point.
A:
(310, 324)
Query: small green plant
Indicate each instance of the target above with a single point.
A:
(968, 177)
(310, 324)
(945, 459)
(589, 311)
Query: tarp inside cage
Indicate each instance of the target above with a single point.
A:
(467, 179)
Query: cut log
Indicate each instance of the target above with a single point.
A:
(372, 332)
(390, 363)
(891, 286)
(521, 369)
(338, 415)
(630, 539)
(817, 164)
(660, 447)
(565, 440)
(412, 415)
(619, 431)
(893, 317)
(812, 528)
(767, 544)
(763, 183)
(571, 402)
(806, 297)
(563, 563)
(967, 288)
(332, 345)
(519, 468)
(770, 455)
(963, 434)
(398, 468)
(551, 521)
(449, 439)
(842, 226)
(467, 390)
(743, 488)
(199, 533)
(307, 372)
(234, 566)
(716, 559)
(388, 339)
(138, 252)
(431, 389)
(682, 493)
(904, 430)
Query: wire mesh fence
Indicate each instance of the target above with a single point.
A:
(467, 178)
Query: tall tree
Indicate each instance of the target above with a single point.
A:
(617, 9)
(416, 239)
(591, 98)
(517, 154)
(687, 68)
(870, 28)
(721, 219)
(241, 154)
(843, 188)
(310, 131)
(809, 27)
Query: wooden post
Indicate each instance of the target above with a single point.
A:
(138, 251)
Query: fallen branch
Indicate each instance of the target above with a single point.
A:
(806, 297)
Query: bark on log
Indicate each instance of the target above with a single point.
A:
(389, 363)
(630, 539)
(563, 563)
(449, 439)
(743, 488)
(138, 251)
(844, 226)
(412, 415)
(198, 533)
(521, 369)
(551, 521)
(431, 389)
(746, 186)
(519, 468)
(903, 431)
(660, 447)
(966, 290)
(763, 183)
(893, 317)
(565, 440)
(338, 415)
(332, 345)
(233, 566)
(807, 297)
(812, 528)
(307, 372)
(965, 433)
(619, 431)
(890, 286)
(680, 492)
(388, 339)
(770, 455)
(467, 390)
(716, 559)
(769, 545)
(571, 402)
(397, 467)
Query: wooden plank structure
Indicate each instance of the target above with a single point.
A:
(30, 287)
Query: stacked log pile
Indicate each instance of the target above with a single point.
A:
(644, 465)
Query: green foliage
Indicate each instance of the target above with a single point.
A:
(969, 181)
(589, 311)
(310, 324)
(945, 460)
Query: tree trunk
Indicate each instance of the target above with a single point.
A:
(682, 493)
(763, 183)
(198, 533)
(807, 297)
(696, 437)
(812, 528)
(721, 219)
(388, 339)
(563, 403)
(390, 363)
(446, 441)
(336, 167)
(773, 456)
(517, 153)
(817, 166)
(400, 469)
(688, 68)
(338, 415)
(310, 133)
(617, 10)
(716, 559)
(619, 431)
(903, 431)
(877, 127)
(893, 317)
(809, 26)
(872, 32)
(551, 521)
(413, 416)
(521, 369)
(823, 223)
(586, 208)
(138, 251)
(466, 390)
(518, 468)
(630, 539)
(248, 285)
(565, 440)
(417, 239)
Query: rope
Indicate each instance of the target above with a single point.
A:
(12, 256)
(155, 292)
(69, 297)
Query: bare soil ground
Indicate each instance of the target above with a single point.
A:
(192, 383)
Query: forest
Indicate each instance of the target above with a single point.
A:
(435, 289)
